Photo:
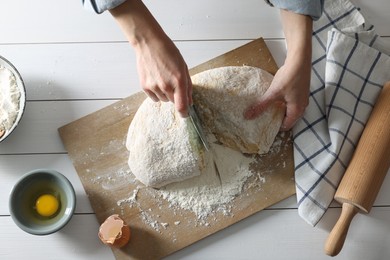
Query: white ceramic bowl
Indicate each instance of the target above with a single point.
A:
(34, 184)
(22, 102)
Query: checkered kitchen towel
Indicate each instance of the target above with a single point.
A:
(350, 66)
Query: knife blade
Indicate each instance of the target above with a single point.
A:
(197, 125)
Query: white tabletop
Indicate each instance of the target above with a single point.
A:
(74, 62)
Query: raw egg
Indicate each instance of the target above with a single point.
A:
(47, 205)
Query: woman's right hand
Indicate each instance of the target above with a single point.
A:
(162, 70)
(163, 73)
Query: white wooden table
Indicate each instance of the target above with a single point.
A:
(74, 62)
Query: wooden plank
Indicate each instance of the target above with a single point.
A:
(11, 170)
(37, 131)
(77, 240)
(100, 71)
(194, 20)
(202, 20)
(270, 234)
(281, 234)
(256, 54)
(96, 144)
(12, 167)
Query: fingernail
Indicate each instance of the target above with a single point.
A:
(183, 115)
(249, 114)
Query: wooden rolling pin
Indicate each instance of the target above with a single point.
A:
(365, 174)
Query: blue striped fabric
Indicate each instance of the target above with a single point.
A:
(349, 68)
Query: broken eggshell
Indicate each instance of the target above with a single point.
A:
(114, 232)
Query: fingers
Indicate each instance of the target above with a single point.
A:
(178, 92)
(156, 95)
(189, 90)
(256, 109)
(163, 73)
(151, 95)
(181, 98)
(260, 106)
(288, 123)
(293, 113)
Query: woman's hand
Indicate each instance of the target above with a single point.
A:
(164, 74)
(290, 87)
(291, 84)
(162, 70)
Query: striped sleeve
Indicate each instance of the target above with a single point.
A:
(99, 6)
(313, 8)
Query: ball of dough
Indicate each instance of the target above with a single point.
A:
(223, 94)
(164, 147)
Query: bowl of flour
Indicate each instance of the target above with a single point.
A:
(12, 98)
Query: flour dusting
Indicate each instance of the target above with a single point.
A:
(209, 193)
(206, 196)
(9, 100)
(157, 132)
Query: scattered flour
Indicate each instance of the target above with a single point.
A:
(164, 225)
(208, 192)
(9, 100)
(131, 200)
(148, 219)
(203, 195)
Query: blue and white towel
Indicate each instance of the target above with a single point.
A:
(350, 66)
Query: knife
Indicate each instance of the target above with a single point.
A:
(199, 130)
(197, 125)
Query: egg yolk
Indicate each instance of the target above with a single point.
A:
(47, 205)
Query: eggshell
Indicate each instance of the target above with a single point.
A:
(114, 232)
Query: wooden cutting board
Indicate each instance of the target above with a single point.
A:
(96, 145)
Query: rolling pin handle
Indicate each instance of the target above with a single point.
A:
(337, 236)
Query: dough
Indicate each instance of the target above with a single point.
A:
(222, 95)
(164, 147)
